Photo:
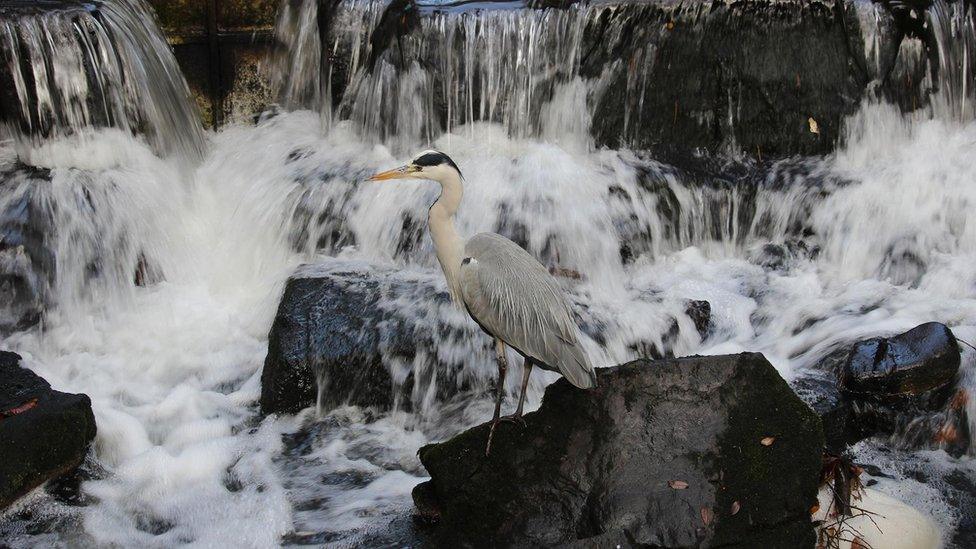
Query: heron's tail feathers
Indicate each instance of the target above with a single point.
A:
(576, 367)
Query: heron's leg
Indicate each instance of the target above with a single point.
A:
(502, 368)
(517, 416)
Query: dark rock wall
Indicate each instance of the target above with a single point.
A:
(751, 74)
(770, 78)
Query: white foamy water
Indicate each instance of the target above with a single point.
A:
(173, 366)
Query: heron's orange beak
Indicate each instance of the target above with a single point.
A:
(391, 174)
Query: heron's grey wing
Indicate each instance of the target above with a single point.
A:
(515, 298)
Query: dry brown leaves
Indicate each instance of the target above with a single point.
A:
(706, 515)
(677, 484)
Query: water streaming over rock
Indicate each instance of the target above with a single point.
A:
(636, 74)
(70, 66)
(155, 286)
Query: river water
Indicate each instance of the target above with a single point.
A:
(173, 366)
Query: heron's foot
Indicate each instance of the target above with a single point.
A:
(515, 419)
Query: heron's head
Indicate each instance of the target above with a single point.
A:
(433, 165)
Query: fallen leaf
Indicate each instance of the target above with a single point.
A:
(768, 441)
(677, 484)
(815, 508)
(735, 507)
(706, 514)
(20, 409)
(814, 127)
(858, 543)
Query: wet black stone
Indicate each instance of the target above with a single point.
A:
(912, 366)
(325, 325)
(700, 312)
(775, 64)
(46, 438)
(826, 400)
(331, 337)
(27, 265)
(900, 386)
(592, 468)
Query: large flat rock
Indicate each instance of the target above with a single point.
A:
(698, 451)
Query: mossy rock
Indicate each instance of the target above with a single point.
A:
(699, 451)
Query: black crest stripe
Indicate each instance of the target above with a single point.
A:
(435, 158)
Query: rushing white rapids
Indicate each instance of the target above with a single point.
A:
(182, 455)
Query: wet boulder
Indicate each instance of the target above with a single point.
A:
(904, 385)
(26, 261)
(750, 73)
(348, 332)
(913, 366)
(43, 433)
(351, 333)
(697, 451)
(825, 398)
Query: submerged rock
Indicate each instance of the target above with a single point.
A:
(782, 257)
(43, 433)
(699, 451)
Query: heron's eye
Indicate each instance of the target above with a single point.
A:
(413, 168)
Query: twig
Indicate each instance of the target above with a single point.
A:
(967, 344)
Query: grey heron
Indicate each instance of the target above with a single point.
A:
(507, 292)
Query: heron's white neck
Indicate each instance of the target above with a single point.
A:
(447, 242)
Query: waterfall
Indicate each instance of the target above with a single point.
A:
(625, 144)
(87, 65)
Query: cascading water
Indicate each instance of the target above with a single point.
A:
(166, 280)
(73, 66)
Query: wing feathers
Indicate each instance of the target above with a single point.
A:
(513, 296)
